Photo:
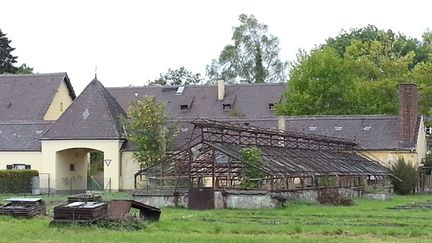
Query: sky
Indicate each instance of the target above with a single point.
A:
(132, 42)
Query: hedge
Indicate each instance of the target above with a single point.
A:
(16, 181)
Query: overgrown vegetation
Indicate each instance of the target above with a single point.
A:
(149, 130)
(405, 179)
(252, 175)
(358, 72)
(16, 181)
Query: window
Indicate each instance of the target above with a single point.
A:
(184, 107)
(271, 106)
(221, 159)
(226, 107)
(72, 167)
(61, 106)
(18, 167)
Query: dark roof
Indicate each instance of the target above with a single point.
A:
(93, 115)
(27, 97)
(371, 132)
(306, 162)
(22, 135)
(247, 100)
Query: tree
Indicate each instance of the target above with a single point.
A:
(405, 177)
(7, 60)
(253, 57)
(252, 175)
(358, 73)
(149, 130)
(180, 76)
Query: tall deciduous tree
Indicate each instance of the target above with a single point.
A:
(7, 60)
(253, 57)
(358, 73)
(179, 76)
(149, 130)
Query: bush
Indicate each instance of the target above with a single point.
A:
(16, 181)
(407, 173)
(332, 197)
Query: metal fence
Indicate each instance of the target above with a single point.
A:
(45, 184)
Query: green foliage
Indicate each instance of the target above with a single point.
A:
(149, 130)
(358, 72)
(7, 60)
(180, 76)
(251, 172)
(253, 57)
(124, 224)
(16, 181)
(96, 163)
(407, 173)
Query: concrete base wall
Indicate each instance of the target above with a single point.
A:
(162, 200)
(248, 199)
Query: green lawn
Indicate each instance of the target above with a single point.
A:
(367, 221)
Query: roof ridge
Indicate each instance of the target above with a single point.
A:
(32, 74)
(199, 85)
(340, 117)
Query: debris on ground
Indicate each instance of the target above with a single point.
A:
(333, 197)
(119, 209)
(23, 207)
(414, 205)
(116, 213)
(84, 198)
(80, 212)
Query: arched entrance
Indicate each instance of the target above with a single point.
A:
(67, 162)
(79, 170)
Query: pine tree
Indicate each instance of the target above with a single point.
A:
(7, 60)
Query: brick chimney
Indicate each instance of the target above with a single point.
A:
(407, 113)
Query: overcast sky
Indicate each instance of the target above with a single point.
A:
(131, 42)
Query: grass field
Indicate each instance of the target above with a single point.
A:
(366, 221)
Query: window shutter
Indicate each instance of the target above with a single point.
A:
(9, 167)
(28, 167)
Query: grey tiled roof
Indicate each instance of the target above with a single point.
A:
(27, 97)
(247, 100)
(93, 115)
(22, 135)
(371, 132)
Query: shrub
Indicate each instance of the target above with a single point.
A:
(16, 181)
(251, 174)
(405, 179)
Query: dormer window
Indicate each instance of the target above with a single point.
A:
(271, 106)
(226, 107)
(184, 107)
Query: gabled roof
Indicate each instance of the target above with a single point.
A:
(22, 135)
(371, 132)
(93, 115)
(27, 97)
(246, 100)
